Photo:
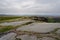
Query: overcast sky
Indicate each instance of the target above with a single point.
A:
(30, 7)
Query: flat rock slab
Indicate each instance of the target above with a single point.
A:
(27, 37)
(47, 38)
(58, 31)
(14, 23)
(40, 27)
(10, 36)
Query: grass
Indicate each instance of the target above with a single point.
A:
(12, 18)
(6, 28)
(9, 18)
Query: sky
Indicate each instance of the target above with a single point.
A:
(30, 7)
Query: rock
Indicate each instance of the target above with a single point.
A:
(27, 37)
(10, 36)
(48, 38)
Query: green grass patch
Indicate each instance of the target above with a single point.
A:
(51, 20)
(7, 18)
(6, 28)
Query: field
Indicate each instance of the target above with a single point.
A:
(41, 19)
(9, 18)
(29, 25)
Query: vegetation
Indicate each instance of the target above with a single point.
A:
(46, 19)
(41, 19)
(51, 20)
(5, 28)
(13, 18)
(7, 18)
(37, 19)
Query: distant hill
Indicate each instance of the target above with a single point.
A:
(3, 15)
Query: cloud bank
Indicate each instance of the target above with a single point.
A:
(30, 7)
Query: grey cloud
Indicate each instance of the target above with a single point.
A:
(30, 6)
(47, 1)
